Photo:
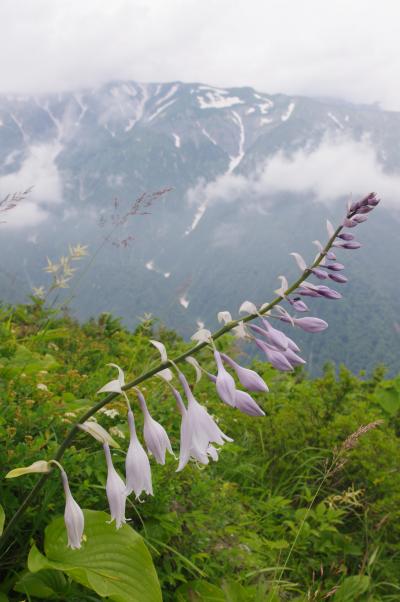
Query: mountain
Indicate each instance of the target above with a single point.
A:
(253, 176)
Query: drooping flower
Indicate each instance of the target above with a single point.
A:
(198, 430)
(155, 436)
(246, 404)
(73, 516)
(276, 358)
(248, 378)
(225, 383)
(137, 465)
(116, 491)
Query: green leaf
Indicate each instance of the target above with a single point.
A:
(389, 400)
(2, 519)
(201, 591)
(3, 597)
(351, 588)
(43, 584)
(113, 563)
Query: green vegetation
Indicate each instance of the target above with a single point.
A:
(295, 509)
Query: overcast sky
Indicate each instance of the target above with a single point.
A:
(343, 48)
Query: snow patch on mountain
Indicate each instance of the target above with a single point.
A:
(177, 140)
(161, 109)
(217, 99)
(288, 112)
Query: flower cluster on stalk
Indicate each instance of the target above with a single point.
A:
(200, 436)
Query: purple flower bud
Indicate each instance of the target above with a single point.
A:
(373, 200)
(338, 277)
(225, 383)
(274, 336)
(276, 358)
(328, 293)
(293, 358)
(298, 304)
(352, 244)
(346, 236)
(311, 324)
(360, 218)
(364, 209)
(349, 223)
(321, 274)
(331, 255)
(367, 200)
(336, 267)
(246, 404)
(308, 292)
(277, 338)
(248, 378)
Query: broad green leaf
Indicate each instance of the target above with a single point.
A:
(2, 519)
(39, 466)
(389, 400)
(29, 362)
(114, 563)
(43, 584)
(351, 588)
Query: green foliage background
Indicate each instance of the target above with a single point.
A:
(223, 532)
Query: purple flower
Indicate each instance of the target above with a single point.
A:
(311, 324)
(327, 292)
(338, 277)
(248, 378)
(321, 274)
(331, 255)
(137, 465)
(155, 436)
(73, 516)
(349, 223)
(353, 244)
(275, 358)
(225, 383)
(198, 430)
(294, 359)
(116, 491)
(360, 218)
(277, 338)
(336, 267)
(346, 236)
(246, 404)
(298, 304)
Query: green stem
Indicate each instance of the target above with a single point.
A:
(152, 372)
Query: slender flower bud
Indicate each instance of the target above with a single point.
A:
(275, 358)
(73, 516)
(116, 491)
(225, 383)
(360, 218)
(155, 436)
(137, 465)
(275, 336)
(331, 255)
(336, 267)
(298, 304)
(248, 378)
(353, 244)
(327, 292)
(338, 277)
(349, 223)
(294, 359)
(246, 404)
(311, 324)
(346, 236)
(364, 209)
(321, 274)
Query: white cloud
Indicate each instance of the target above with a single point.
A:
(337, 167)
(344, 49)
(40, 172)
